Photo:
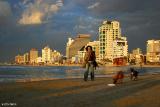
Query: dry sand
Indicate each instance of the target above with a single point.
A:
(76, 93)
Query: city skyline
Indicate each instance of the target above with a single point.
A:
(26, 24)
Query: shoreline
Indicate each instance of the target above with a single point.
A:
(29, 80)
(76, 65)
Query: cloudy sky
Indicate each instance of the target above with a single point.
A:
(26, 24)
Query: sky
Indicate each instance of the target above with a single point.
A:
(26, 24)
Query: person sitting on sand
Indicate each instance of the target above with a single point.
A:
(133, 74)
(89, 59)
(118, 78)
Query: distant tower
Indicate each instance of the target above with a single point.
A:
(47, 55)
(70, 40)
(33, 55)
(153, 51)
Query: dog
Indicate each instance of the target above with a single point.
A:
(118, 78)
(133, 74)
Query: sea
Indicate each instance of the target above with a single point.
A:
(39, 73)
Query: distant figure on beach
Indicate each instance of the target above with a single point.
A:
(118, 77)
(133, 74)
(89, 59)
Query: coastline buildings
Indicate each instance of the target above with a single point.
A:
(31, 58)
(153, 51)
(70, 41)
(75, 45)
(112, 44)
(19, 59)
(47, 55)
(56, 56)
(33, 55)
(136, 57)
(26, 58)
(120, 48)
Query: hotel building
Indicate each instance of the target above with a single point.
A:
(19, 59)
(47, 55)
(112, 44)
(56, 56)
(108, 32)
(26, 58)
(153, 51)
(33, 55)
(120, 48)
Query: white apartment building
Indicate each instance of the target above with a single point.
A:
(70, 41)
(47, 55)
(153, 51)
(108, 32)
(120, 48)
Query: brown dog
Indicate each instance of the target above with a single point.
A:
(118, 78)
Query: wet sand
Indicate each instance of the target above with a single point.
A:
(77, 93)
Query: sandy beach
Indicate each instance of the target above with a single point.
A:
(77, 93)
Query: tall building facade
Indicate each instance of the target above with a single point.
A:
(120, 48)
(70, 41)
(108, 32)
(136, 56)
(19, 59)
(47, 55)
(153, 51)
(56, 56)
(73, 46)
(33, 55)
(26, 58)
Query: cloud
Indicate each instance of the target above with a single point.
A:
(39, 11)
(5, 9)
(94, 5)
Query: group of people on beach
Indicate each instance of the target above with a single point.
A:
(91, 64)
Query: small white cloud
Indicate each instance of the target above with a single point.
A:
(5, 9)
(32, 18)
(94, 5)
(59, 3)
(38, 12)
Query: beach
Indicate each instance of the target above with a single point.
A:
(76, 93)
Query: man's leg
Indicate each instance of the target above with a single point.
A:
(86, 72)
(92, 72)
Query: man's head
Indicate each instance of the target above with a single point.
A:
(89, 48)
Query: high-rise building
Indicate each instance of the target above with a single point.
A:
(47, 55)
(56, 56)
(33, 55)
(26, 58)
(73, 46)
(70, 41)
(153, 51)
(119, 48)
(19, 59)
(137, 51)
(136, 56)
(108, 32)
